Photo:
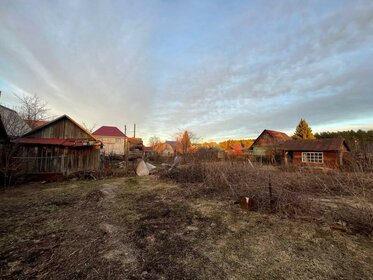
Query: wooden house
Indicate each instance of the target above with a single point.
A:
(60, 146)
(266, 145)
(328, 153)
(176, 146)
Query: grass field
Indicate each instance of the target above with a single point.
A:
(147, 228)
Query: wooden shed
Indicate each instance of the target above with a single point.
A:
(316, 153)
(266, 145)
(61, 146)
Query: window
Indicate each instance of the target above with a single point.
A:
(118, 140)
(312, 157)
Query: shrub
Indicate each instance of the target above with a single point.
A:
(295, 193)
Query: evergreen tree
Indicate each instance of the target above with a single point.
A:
(303, 131)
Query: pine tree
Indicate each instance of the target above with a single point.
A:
(303, 131)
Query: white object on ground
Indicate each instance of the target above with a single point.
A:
(142, 169)
(150, 167)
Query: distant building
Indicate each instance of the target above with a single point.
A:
(175, 145)
(317, 153)
(266, 145)
(112, 138)
(164, 150)
(14, 125)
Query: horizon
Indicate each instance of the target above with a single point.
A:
(221, 70)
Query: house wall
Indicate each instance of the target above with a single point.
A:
(168, 151)
(266, 145)
(112, 144)
(264, 140)
(58, 159)
(331, 160)
(262, 151)
(164, 150)
(62, 129)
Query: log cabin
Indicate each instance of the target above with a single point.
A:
(329, 153)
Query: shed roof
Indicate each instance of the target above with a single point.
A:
(237, 148)
(55, 121)
(331, 144)
(109, 131)
(56, 141)
(277, 134)
(276, 137)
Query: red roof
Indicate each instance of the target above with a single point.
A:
(270, 137)
(278, 134)
(109, 131)
(56, 141)
(148, 149)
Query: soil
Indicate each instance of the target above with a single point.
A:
(144, 228)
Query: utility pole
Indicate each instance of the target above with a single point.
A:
(125, 148)
(134, 130)
(127, 154)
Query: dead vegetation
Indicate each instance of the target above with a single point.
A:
(294, 194)
(145, 228)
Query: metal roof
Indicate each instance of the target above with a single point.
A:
(56, 141)
(276, 137)
(331, 144)
(109, 131)
(56, 120)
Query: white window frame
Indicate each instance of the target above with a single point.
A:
(312, 157)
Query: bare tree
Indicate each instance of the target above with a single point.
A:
(32, 109)
(89, 128)
(13, 125)
(153, 141)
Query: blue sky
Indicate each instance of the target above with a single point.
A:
(223, 69)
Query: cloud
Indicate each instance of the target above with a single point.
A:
(223, 70)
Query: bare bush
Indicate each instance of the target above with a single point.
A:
(357, 219)
(294, 193)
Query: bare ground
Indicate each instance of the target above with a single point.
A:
(143, 228)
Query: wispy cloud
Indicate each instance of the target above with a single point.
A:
(220, 69)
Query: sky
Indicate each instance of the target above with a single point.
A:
(221, 69)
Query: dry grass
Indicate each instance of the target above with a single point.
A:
(145, 228)
(293, 193)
